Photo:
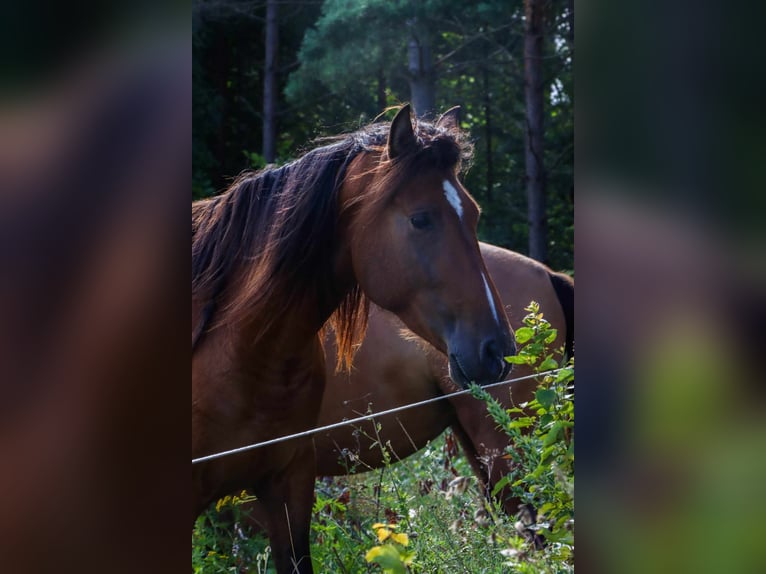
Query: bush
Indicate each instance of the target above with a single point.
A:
(541, 436)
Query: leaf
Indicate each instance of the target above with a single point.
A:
(546, 453)
(387, 557)
(564, 374)
(545, 508)
(548, 364)
(517, 359)
(545, 397)
(520, 423)
(532, 308)
(561, 536)
(382, 533)
(553, 333)
(500, 484)
(400, 538)
(535, 349)
(524, 334)
(407, 557)
(553, 434)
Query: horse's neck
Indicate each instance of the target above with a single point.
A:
(306, 315)
(301, 318)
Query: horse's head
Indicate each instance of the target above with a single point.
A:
(414, 250)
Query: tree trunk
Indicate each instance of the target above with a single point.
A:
(270, 83)
(533, 154)
(488, 133)
(421, 73)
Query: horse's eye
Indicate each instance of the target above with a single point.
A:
(421, 221)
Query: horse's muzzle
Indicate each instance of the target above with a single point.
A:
(485, 367)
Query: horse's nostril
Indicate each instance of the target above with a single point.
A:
(491, 350)
(492, 357)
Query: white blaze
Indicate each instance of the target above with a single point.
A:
(490, 299)
(454, 198)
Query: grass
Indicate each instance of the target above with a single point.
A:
(427, 514)
(432, 496)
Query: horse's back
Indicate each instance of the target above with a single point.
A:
(392, 369)
(521, 279)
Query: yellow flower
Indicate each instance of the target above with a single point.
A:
(401, 538)
(383, 533)
(222, 502)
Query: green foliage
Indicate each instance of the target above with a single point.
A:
(391, 555)
(219, 544)
(428, 513)
(343, 61)
(541, 433)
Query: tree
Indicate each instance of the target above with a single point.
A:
(534, 135)
(421, 69)
(270, 91)
(340, 63)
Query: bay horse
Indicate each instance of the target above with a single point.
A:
(392, 368)
(376, 216)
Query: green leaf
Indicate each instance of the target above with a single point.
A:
(545, 508)
(520, 423)
(561, 536)
(548, 364)
(553, 434)
(545, 397)
(500, 484)
(517, 360)
(564, 374)
(547, 453)
(387, 557)
(553, 333)
(524, 334)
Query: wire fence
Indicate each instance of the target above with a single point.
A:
(362, 418)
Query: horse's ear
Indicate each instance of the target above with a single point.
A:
(401, 136)
(449, 120)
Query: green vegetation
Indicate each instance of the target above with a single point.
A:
(428, 513)
(341, 63)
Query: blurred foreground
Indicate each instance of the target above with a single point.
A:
(670, 403)
(94, 169)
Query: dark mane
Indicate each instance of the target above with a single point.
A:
(281, 224)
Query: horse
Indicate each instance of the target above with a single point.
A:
(392, 368)
(376, 216)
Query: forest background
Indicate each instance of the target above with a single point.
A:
(270, 77)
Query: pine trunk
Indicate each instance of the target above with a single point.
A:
(270, 82)
(533, 93)
(421, 73)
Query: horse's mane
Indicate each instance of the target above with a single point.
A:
(283, 221)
